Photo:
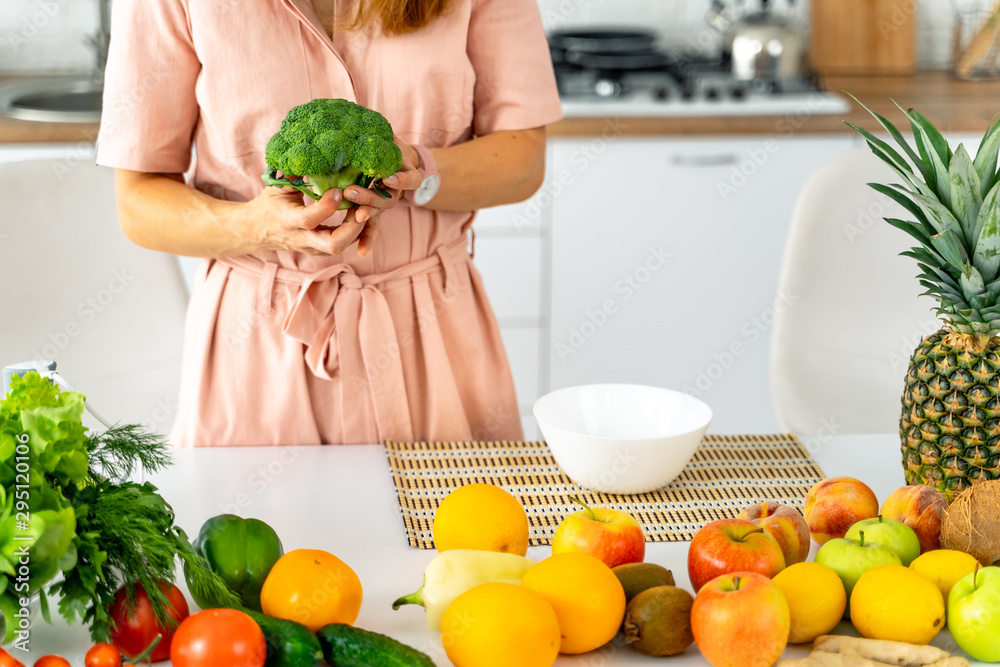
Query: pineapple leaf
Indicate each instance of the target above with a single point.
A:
(903, 200)
(934, 150)
(986, 157)
(966, 196)
(949, 244)
(937, 141)
(937, 273)
(928, 255)
(973, 286)
(887, 154)
(912, 229)
(938, 291)
(987, 249)
(940, 217)
(924, 168)
(882, 149)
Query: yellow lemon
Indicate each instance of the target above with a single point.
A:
(588, 599)
(499, 625)
(482, 517)
(896, 603)
(816, 599)
(944, 567)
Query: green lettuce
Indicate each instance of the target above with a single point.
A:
(49, 423)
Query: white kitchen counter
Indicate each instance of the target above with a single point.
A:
(342, 499)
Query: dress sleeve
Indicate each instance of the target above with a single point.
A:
(515, 82)
(150, 108)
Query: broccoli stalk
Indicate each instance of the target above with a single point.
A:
(326, 144)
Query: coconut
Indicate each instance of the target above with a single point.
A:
(972, 522)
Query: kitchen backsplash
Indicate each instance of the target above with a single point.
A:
(50, 35)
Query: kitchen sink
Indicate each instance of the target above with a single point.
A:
(52, 99)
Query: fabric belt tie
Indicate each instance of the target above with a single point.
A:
(344, 322)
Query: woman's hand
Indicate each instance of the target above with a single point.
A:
(362, 220)
(311, 230)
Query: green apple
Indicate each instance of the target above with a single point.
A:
(974, 614)
(851, 558)
(890, 533)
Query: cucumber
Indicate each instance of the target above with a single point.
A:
(346, 646)
(289, 644)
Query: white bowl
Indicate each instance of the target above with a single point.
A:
(622, 438)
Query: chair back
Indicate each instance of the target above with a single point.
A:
(840, 348)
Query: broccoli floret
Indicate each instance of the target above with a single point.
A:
(326, 144)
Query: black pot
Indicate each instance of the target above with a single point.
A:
(602, 40)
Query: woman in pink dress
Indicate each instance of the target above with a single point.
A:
(294, 334)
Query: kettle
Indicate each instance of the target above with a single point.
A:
(763, 45)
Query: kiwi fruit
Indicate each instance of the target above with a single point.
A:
(637, 577)
(658, 621)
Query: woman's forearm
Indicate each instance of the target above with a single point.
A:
(160, 212)
(498, 168)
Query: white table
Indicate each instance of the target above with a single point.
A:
(342, 499)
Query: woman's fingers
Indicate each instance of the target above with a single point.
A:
(311, 217)
(366, 240)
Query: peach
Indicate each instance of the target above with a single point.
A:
(835, 504)
(921, 508)
(785, 524)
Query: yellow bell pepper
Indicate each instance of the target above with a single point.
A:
(455, 571)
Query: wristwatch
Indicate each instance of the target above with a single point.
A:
(431, 179)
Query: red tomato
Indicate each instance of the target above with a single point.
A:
(103, 655)
(218, 637)
(133, 634)
(7, 660)
(52, 661)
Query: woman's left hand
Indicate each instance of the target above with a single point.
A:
(362, 220)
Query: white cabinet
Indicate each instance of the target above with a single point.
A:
(512, 253)
(665, 257)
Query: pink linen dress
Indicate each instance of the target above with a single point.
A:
(288, 348)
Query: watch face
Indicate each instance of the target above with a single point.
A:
(427, 189)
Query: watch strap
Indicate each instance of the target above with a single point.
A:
(429, 176)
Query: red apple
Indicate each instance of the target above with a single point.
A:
(786, 525)
(921, 508)
(609, 534)
(740, 620)
(835, 504)
(732, 545)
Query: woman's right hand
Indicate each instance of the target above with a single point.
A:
(279, 220)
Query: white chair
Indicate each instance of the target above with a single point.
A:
(76, 291)
(839, 352)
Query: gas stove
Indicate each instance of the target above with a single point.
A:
(647, 82)
(702, 92)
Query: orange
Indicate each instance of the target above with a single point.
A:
(312, 587)
(816, 600)
(499, 625)
(586, 595)
(481, 517)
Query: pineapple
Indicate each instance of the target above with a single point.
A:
(950, 422)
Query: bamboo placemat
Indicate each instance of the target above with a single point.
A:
(726, 474)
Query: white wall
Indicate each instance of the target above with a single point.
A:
(46, 35)
(49, 35)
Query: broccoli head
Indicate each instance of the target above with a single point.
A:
(326, 144)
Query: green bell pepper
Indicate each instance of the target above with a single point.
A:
(242, 552)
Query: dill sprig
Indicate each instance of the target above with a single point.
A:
(125, 536)
(124, 449)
